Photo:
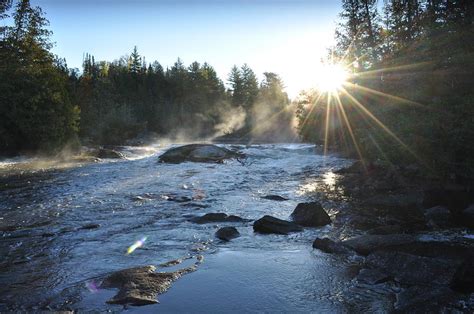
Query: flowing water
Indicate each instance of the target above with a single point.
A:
(64, 226)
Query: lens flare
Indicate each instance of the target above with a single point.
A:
(136, 245)
(331, 77)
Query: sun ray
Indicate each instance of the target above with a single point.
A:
(380, 124)
(326, 128)
(349, 128)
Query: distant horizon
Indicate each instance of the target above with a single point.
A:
(221, 33)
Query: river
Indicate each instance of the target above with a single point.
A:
(64, 226)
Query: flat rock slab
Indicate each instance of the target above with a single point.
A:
(142, 285)
(269, 224)
(217, 217)
(227, 233)
(310, 214)
(369, 243)
(414, 270)
(198, 153)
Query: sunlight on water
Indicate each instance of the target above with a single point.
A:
(326, 182)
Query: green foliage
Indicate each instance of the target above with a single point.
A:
(36, 112)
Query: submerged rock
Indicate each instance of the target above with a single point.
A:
(366, 244)
(227, 233)
(269, 224)
(109, 153)
(310, 215)
(273, 197)
(217, 217)
(198, 153)
(329, 246)
(89, 226)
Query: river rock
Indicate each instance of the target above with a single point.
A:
(310, 215)
(372, 276)
(109, 153)
(141, 285)
(217, 217)
(366, 244)
(329, 246)
(269, 224)
(413, 270)
(198, 153)
(273, 197)
(227, 233)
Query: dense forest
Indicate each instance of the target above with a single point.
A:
(409, 100)
(46, 106)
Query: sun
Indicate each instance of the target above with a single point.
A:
(331, 77)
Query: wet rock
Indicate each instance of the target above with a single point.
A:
(366, 244)
(109, 153)
(436, 249)
(310, 215)
(269, 224)
(413, 270)
(217, 217)
(179, 199)
(273, 197)
(467, 217)
(141, 285)
(198, 153)
(418, 299)
(329, 246)
(89, 226)
(390, 229)
(227, 233)
(438, 217)
(463, 280)
(372, 276)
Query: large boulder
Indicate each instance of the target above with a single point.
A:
(227, 233)
(269, 224)
(217, 217)
(198, 153)
(366, 244)
(310, 215)
(109, 154)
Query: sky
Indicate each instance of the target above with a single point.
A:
(288, 37)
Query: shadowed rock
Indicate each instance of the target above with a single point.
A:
(464, 277)
(414, 270)
(198, 153)
(217, 217)
(369, 243)
(227, 233)
(273, 197)
(372, 276)
(269, 224)
(310, 215)
(329, 246)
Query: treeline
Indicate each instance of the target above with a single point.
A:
(44, 105)
(410, 98)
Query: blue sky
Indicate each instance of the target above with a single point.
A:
(288, 37)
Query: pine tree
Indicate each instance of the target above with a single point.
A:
(135, 62)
